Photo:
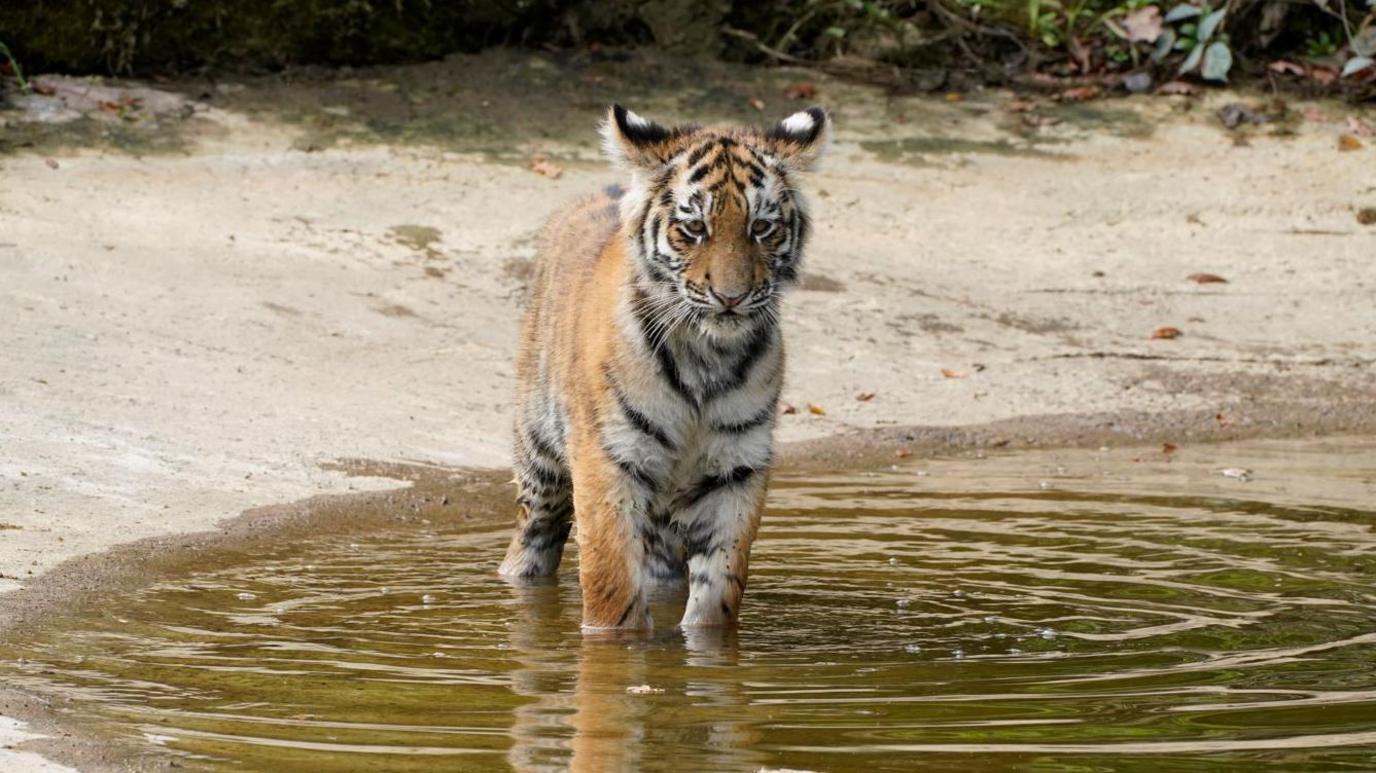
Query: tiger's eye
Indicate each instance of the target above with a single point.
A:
(761, 228)
(694, 227)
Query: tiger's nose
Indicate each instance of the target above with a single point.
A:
(729, 300)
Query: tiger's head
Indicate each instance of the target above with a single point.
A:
(717, 224)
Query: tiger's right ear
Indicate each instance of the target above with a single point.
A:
(638, 143)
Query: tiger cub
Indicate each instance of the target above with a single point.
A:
(651, 363)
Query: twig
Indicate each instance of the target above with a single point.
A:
(760, 44)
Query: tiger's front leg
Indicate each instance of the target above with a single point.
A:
(719, 518)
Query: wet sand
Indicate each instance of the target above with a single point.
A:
(201, 326)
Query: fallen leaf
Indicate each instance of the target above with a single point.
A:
(788, 409)
(51, 162)
(1169, 448)
(1349, 142)
(1178, 88)
(1021, 106)
(1360, 127)
(816, 410)
(865, 397)
(954, 96)
(1143, 25)
(1366, 216)
(757, 103)
(1166, 332)
(800, 90)
(1324, 76)
(1207, 279)
(1223, 421)
(903, 453)
(1080, 94)
(1283, 67)
(1037, 121)
(948, 373)
(544, 166)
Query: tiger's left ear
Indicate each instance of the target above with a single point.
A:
(800, 139)
(635, 142)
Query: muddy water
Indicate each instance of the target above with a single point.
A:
(1068, 611)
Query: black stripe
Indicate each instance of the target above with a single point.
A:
(668, 366)
(625, 614)
(754, 350)
(699, 173)
(632, 470)
(549, 478)
(713, 483)
(541, 446)
(640, 421)
(698, 154)
(742, 427)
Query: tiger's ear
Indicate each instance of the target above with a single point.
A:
(800, 139)
(635, 142)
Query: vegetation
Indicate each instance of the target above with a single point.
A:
(1325, 41)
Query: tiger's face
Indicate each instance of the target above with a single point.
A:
(718, 225)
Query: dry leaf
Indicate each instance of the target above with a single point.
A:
(1360, 127)
(757, 103)
(1348, 142)
(1169, 448)
(865, 397)
(1037, 121)
(1166, 332)
(1223, 421)
(903, 453)
(788, 409)
(816, 410)
(800, 90)
(1366, 216)
(954, 96)
(1207, 279)
(545, 167)
(948, 373)
(1143, 25)
(51, 162)
(1178, 88)
(1283, 67)
(1324, 76)
(1080, 94)
(1021, 106)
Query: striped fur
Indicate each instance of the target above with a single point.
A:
(651, 364)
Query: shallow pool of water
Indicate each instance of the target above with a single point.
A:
(1066, 611)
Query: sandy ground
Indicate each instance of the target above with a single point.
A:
(192, 332)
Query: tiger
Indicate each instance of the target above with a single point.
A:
(651, 365)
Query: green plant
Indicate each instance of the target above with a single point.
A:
(1198, 33)
(18, 72)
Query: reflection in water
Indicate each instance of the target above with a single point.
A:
(1045, 612)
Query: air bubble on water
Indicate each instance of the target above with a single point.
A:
(246, 596)
(1046, 633)
(958, 653)
(1014, 651)
(903, 603)
(1061, 471)
(893, 562)
(438, 655)
(912, 649)
(1043, 485)
(427, 599)
(922, 473)
(958, 594)
(989, 618)
(1000, 636)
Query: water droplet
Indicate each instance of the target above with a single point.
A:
(903, 603)
(912, 649)
(438, 655)
(1044, 485)
(989, 618)
(958, 653)
(1046, 633)
(893, 562)
(427, 599)
(958, 593)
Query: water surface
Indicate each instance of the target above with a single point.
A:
(1067, 611)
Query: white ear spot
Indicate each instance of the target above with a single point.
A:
(635, 120)
(798, 123)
